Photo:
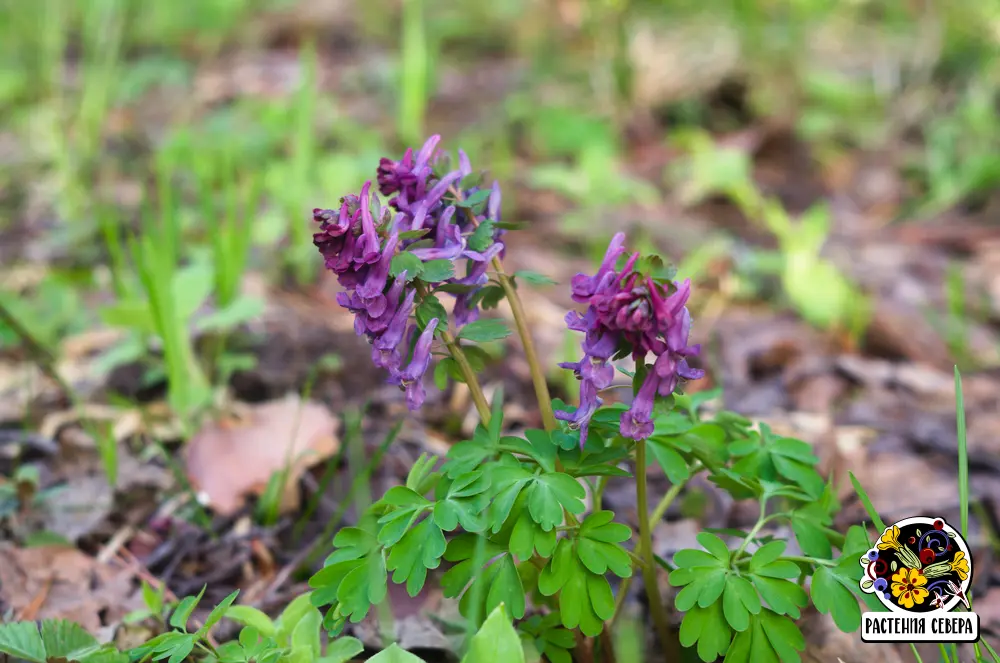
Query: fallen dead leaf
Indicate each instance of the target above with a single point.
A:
(825, 642)
(228, 460)
(57, 582)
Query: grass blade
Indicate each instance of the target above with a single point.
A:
(963, 454)
(866, 501)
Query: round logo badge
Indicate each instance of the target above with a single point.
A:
(919, 565)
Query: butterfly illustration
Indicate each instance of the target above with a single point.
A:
(957, 591)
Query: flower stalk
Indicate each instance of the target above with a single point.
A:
(534, 365)
(478, 398)
(659, 613)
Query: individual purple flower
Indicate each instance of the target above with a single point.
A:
(582, 286)
(385, 348)
(631, 312)
(367, 249)
(448, 241)
(637, 421)
(580, 419)
(411, 378)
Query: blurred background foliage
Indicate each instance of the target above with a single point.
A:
(156, 153)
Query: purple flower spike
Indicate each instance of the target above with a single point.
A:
(629, 311)
(359, 247)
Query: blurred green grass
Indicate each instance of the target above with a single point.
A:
(104, 94)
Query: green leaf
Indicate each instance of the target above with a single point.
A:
(22, 640)
(779, 569)
(481, 331)
(550, 494)
(240, 310)
(349, 543)
(419, 550)
(735, 611)
(802, 474)
(597, 545)
(429, 309)
(445, 368)
(130, 314)
(406, 262)
(706, 627)
(394, 654)
(585, 598)
(435, 271)
(184, 609)
(362, 588)
(506, 588)
(217, 613)
(190, 288)
(61, 638)
(534, 278)
(812, 539)
(714, 545)
(476, 198)
(496, 640)
(305, 636)
(831, 597)
(464, 504)
(782, 596)
(250, 616)
(342, 650)
(706, 587)
(672, 463)
(692, 557)
(766, 554)
(783, 635)
(482, 238)
(397, 522)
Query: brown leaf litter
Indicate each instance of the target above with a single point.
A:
(232, 458)
(57, 582)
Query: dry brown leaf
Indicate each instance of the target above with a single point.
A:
(57, 582)
(825, 642)
(228, 460)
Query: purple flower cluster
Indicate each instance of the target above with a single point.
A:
(629, 312)
(424, 216)
(452, 230)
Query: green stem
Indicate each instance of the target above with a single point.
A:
(537, 370)
(482, 407)
(649, 571)
(465, 368)
(521, 322)
(756, 528)
(661, 508)
(668, 499)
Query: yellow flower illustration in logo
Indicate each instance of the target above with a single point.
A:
(889, 539)
(960, 565)
(908, 586)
